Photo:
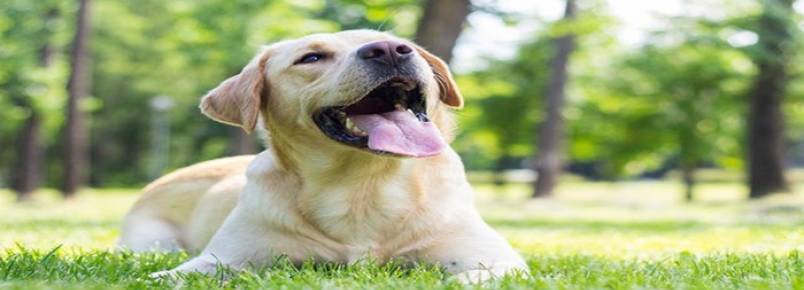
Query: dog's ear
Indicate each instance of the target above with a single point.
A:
(446, 84)
(237, 101)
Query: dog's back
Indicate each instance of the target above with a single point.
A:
(167, 212)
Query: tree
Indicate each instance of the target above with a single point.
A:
(232, 37)
(766, 120)
(497, 126)
(75, 133)
(551, 133)
(668, 113)
(30, 150)
(31, 90)
(440, 25)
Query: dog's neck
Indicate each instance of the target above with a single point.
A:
(368, 186)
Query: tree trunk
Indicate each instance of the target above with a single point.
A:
(27, 175)
(240, 143)
(440, 25)
(75, 134)
(551, 133)
(499, 171)
(688, 176)
(766, 120)
(30, 151)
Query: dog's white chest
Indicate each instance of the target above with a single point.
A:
(362, 221)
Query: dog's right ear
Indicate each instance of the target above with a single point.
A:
(450, 94)
(237, 101)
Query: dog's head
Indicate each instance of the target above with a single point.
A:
(364, 89)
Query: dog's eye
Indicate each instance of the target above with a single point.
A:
(310, 58)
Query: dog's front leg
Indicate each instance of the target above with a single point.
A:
(474, 253)
(240, 241)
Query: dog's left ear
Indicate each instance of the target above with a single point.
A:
(446, 84)
(237, 100)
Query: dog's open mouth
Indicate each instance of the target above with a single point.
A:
(391, 119)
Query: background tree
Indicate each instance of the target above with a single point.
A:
(30, 150)
(31, 88)
(75, 132)
(440, 25)
(496, 129)
(766, 152)
(655, 113)
(505, 103)
(551, 132)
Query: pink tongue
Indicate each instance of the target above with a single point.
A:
(400, 132)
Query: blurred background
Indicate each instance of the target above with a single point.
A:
(606, 127)
(669, 100)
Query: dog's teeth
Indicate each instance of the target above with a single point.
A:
(398, 107)
(411, 111)
(358, 132)
(352, 128)
(361, 132)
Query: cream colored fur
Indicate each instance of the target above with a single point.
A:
(309, 197)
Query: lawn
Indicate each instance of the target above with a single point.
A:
(633, 235)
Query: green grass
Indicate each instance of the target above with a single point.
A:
(636, 235)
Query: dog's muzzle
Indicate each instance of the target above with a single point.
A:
(390, 119)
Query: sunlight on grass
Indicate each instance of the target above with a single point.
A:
(89, 221)
(625, 219)
(590, 235)
(644, 219)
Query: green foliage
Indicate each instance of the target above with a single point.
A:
(143, 49)
(675, 101)
(390, 15)
(504, 100)
(679, 101)
(26, 86)
(499, 123)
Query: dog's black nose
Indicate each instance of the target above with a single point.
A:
(387, 52)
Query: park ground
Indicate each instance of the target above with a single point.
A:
(626, 235)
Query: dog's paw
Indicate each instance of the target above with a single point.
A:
(167, 274)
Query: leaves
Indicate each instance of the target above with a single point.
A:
(631, 109)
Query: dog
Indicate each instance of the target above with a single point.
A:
(357, 125)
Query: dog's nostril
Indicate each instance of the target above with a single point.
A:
(372, 52)
(385, 52)
(403, 49)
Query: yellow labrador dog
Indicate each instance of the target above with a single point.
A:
(358, 167)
